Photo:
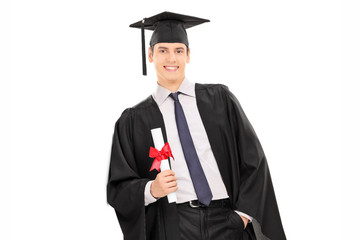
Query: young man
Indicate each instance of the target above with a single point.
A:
(220, 174)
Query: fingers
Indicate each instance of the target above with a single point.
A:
(171, 184)
(167, 176)
(167, 173)
(170, 179)
(164, 183)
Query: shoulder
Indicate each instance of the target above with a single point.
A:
(146, 103)
(210, 86)
(132, 112)
(217, 92)
(212, 89)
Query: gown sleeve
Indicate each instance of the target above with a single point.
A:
(125, 189)
(256, 196)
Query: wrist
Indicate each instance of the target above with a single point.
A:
(245, 220)
(151, 191)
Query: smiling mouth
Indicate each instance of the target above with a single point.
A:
(171, 68)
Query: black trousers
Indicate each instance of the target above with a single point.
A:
(212, 223)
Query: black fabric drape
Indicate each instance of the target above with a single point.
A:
(240, 158)
(236, 148)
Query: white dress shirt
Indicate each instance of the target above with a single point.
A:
(186, 191)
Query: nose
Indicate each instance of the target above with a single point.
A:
(172, 57)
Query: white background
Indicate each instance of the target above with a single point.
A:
(74, 66)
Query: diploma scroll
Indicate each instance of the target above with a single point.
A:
(159, 143)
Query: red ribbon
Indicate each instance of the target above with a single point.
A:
(159, 156)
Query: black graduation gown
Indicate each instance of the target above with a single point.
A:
(237, 150)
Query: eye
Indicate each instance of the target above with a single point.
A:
(162, 51)
(179, 51)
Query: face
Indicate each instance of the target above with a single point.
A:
(169, 61)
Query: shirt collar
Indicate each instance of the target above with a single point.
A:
(161, 93)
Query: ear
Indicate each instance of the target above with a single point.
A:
(150, 55)
(188, 57)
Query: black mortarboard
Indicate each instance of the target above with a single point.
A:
(168, 27)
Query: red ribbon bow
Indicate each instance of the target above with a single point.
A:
(159, 156)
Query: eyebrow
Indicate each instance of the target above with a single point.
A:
(178, 48)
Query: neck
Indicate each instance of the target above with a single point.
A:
(172, 86)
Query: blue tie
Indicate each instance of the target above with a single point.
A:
(197, 174)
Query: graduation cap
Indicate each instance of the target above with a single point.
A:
(168, 27)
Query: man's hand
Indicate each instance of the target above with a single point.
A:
(246, 221)
(164, 183)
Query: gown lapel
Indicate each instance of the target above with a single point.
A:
(213, 118)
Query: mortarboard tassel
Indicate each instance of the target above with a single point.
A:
(143, 46)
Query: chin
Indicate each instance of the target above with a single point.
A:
(173, 78)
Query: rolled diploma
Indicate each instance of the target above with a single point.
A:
(159, 143)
